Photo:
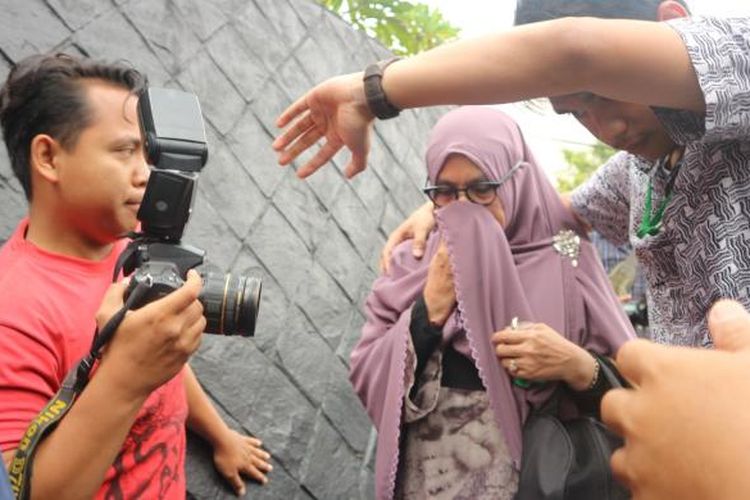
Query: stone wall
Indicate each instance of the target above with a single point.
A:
(315, 243)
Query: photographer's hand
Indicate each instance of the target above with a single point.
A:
(153, 343)
(235, 455)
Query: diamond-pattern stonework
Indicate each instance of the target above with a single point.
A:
(315, 243)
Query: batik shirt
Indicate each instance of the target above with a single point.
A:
(702, 252)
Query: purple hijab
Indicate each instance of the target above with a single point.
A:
(498, 274)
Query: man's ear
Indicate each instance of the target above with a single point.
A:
(44, 158)
(671, 9)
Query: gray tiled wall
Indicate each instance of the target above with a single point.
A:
(315, 242)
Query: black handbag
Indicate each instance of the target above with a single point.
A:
(569, 459)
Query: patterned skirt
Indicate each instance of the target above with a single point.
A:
(451, 446)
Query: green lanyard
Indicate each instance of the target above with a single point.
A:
(652, 221)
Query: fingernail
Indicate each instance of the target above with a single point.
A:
(727, 310)
(242, 492)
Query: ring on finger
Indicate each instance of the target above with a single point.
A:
(513, 366)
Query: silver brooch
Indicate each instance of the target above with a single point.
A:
(568, 244)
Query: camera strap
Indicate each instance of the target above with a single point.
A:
(75, 381)
(20, 467)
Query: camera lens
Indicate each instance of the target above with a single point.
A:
(230, 304)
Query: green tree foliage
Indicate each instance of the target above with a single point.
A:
(581, 164)
(404, 27)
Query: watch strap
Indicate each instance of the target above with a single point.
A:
(377, 101)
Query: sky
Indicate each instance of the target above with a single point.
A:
(547, 133)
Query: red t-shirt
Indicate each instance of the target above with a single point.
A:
(47, 307)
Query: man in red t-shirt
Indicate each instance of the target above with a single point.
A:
(71, 129)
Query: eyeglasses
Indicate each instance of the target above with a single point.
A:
(481, 192)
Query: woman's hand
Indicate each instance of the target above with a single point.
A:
(537, 352)
(418, 226)
(439, 290)
(335, 109)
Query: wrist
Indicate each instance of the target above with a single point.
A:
(375, 96)
(436, 316)
(220, 438)
(121, 385)
(357, 90)
(585, 372)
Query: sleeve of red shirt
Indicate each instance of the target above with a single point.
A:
(29, 377)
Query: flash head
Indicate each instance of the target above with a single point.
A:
(172, 126)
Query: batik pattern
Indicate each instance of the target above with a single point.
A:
(702, 252)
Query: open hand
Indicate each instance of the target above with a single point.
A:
(236, 455)
(335, 110)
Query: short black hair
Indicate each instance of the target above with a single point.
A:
(532, 11)
(45, 94)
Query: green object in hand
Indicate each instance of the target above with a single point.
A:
(522, 383)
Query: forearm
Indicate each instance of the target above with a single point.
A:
(73, 460)
(611, 58)
(203, 419)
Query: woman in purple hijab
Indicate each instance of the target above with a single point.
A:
(458, 346)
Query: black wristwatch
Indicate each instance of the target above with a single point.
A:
(376, 98)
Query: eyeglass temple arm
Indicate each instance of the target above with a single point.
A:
(504, 178)
(512, 171)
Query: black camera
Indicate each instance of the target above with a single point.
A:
(175, 146)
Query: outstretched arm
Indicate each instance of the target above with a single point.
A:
(633, 61)
(235, 455)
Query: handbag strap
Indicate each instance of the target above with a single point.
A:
(609, 371)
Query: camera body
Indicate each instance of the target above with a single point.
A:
(176, 149)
